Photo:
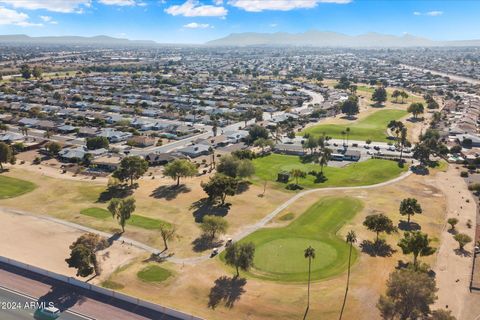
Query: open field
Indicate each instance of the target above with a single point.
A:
(372, 127)
(200, 283)
(279, 251)
(12, 187)
(356, 174)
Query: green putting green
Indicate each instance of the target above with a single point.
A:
(154, 273)
(373, 127)
(12, 187)
(279, 253)
(368, 172)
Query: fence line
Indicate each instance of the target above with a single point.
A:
(103, 291)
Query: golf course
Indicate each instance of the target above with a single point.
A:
(372, 127)
(12, 187)
(279, 252)
(368, 172)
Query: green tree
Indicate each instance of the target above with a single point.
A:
(379, 95)
(462, 239)
(37, 72)
(257, 132)
(442, 315)
(131, 168)
(6, 154)
(122, 209)
(94, 143)
(350, 106)
(324, 158)
(180, 168)
(408, 207)
(379, 223)
(409, 295)
(213, 225)
(82, 259)
(245, 168)
(452, 222)
(297, 173)
(53, 147)
(240, 256)
(263, 143)
(219, 187)
(416, 243)
(416, 108)
(309, 254)
(351, 239)
(25, 71)
(311, 143)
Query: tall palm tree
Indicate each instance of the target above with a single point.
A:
(309, 254)
(343, 137)
(324, 158)
(351, 239)
(348, 133)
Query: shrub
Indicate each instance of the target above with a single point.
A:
(464, 174)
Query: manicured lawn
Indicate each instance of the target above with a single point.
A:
(12, 187)
(279, 253)
(98, 213)
(368, 172)
(373, 127)
(135, 220)
(154, 273)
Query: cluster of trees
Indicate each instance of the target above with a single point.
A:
(429, 144)
(94, 143)
(27, 72)
(431, 103)
(399, 94)
(219, 187)
(400, 132)
(83, 254)
(234, 167)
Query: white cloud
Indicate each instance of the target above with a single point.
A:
(193, 8)
(122, 3)
(273, 25)
(429, 13)
(194, 25)
(12, 17)
(280, 5)
(434, 13)
(64, 6)
(48, 19)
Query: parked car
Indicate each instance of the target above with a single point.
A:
(48, 313)
(354, 144)
(391, 148)
(376, 147)
(366, 146)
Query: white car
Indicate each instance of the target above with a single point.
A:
(391, 148)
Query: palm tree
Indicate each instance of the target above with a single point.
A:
(309, 254)
(403, 141)
(324, 158)
(343, 137)
(297, 173)
(347, 132)
(351, 239)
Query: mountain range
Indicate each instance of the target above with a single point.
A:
(316, 38)
(312, 38)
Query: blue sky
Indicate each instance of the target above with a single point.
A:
(197, 21)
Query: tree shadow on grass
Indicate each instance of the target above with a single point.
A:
(62, 297)
(169, 192)
(377, 249)
(243, 186)
(204, 242)
(205, 207)
(462, 252)
(412, 226)
(114, 192)
(226, 289)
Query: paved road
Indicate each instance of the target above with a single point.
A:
(16, 306)
(69, 298)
